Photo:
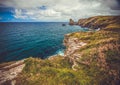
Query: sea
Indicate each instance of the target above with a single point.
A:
(19, 40)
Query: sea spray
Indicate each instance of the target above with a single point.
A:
(60, 52)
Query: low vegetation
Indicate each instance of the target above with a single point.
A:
(56, 71)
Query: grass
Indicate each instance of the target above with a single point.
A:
(47, 72)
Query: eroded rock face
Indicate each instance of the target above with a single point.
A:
(72, 45)
(9, 72)
(71, 22)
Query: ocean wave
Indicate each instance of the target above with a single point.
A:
(60, 52)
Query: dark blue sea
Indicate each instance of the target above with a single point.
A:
(19, 40)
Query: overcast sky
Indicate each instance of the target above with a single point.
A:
(56, 10)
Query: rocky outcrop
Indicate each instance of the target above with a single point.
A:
(98, 21)
(71, 22)
(72, 45)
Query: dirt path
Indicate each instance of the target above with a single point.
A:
(11, 71)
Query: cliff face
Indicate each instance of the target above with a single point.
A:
(99, 21)
(72, 45)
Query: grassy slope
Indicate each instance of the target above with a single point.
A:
(55, 71)
(102, 52)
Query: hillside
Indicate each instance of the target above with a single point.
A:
(91, 58)
(100, 22)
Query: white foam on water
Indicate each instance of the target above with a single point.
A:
(60, 52)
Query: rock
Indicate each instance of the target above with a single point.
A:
(72, 45)
(63, 24)
(13, 82)
(8, 73)
(71, 22)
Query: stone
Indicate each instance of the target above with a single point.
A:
(71, 22)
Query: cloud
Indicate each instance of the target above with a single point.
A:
(113, 4)
(37, 14)
(60, 10)
(19, 14)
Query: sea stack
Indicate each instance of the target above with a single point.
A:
(71, 22)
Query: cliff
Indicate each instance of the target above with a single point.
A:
(91, 58)
(99, 22)
(97, 53)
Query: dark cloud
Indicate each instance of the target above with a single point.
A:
(118, 6)
(113, 4)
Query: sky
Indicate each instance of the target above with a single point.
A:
(55, 10)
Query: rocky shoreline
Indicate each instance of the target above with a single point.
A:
(96, 22)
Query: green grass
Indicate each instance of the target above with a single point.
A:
(47, 72)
